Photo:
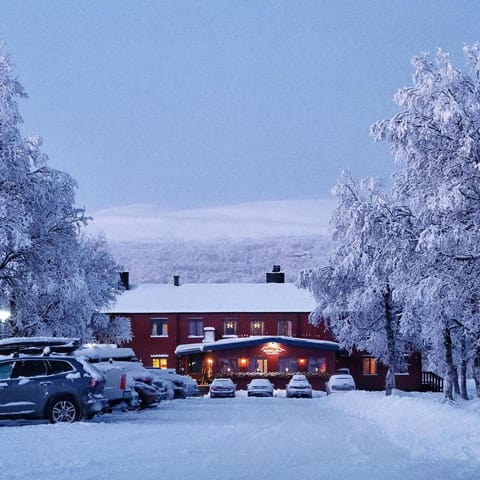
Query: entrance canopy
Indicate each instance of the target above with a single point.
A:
(253, 341)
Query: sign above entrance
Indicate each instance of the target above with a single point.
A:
(272, 348)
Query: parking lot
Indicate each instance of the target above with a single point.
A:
(239, 438)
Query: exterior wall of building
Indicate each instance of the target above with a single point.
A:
(375, 380)
(278, 364)
(148, 346)
(152, 348)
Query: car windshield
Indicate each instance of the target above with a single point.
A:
(222, 382)
(260, 383)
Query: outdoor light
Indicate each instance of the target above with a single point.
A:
(4, 316)
(210, 361)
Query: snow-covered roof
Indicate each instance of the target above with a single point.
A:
(252, 341)
(214, 297)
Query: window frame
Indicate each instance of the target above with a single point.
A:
(160, 361)
(195, 321)
(260, 330)
(234, 327)
(369, 362)
(23, 365)
(281, 324)
(164, 327)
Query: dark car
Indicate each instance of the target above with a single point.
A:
(60, 388)
(148, 394)
(222, 387)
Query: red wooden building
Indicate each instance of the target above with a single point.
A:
(242, 330)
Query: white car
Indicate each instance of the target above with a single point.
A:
(260, 387)
(299, 386)
(341, 381)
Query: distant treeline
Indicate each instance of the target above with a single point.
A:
(219, 261)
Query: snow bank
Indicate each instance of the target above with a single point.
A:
(356, 436)
(422, 423)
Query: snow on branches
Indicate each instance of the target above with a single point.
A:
(52, 279)
(419, 251)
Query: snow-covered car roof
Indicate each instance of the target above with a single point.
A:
(105, 352)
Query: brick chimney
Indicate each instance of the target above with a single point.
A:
(275, 276)
(124, 280)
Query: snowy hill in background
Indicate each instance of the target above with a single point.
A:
(244, 221)
(222, 244)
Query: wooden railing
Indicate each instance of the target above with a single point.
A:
(431, 382)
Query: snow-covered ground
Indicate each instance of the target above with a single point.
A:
(358, 435)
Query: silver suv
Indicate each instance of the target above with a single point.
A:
(57, 388)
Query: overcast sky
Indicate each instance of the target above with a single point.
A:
(207, 103)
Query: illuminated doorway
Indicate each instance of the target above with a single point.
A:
(258, 365)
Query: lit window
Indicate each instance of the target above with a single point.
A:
(159, 362)
(256, 327)
(369, 366)
(287, 364)
(195, 327)
(159, 327)
(243, 362)
(317, 365)
(227, 365)
(285, 328)
(230, 327)
(258, 365)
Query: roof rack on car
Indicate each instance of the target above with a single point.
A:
(38, 345)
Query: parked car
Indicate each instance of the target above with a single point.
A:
(183, 385)
(341, 381)
(140, 380)
(148, 394)
(260, 387)
(57, 388)
(139, 391)
(222, 387)
(119, 394)
(299, 386)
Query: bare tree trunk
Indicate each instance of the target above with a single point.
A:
(476, 370)
(389, 382)
(451, 373)
(463, 369)
(390, 334)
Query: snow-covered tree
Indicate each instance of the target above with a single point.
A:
(14, 215)
(54, 281)
(356, 292)
(436, 139)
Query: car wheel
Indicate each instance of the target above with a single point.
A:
(64, 410)
(142, 402)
